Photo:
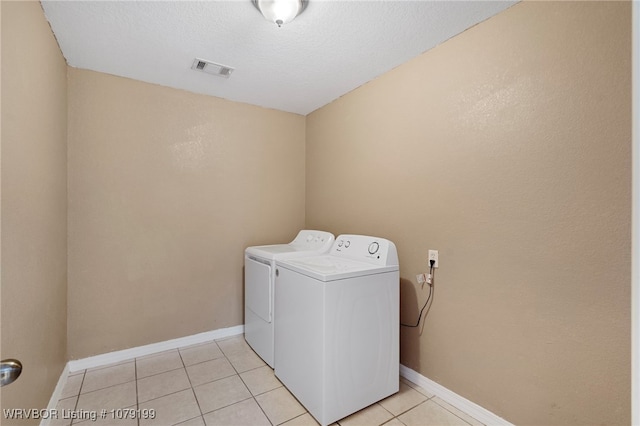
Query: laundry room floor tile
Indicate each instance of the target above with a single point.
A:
(245, 361)
(464, 416)
(171, 409)
(221, 393)
(224, 382)
(72, 387)
(105, 377)
(430, 413)
(394, 422)
(373, 415)
(279, 405)
(68, 404)
(405, 399)
(304, 420)
(200, 353)
(242, 413)
(209, 371)
(108, 420)
(260, 380)
(158, 363)
(233, 345)
(197, 421)
(111, 398)
(162, 384)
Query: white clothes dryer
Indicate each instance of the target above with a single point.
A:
(259, 275)
(337, 326)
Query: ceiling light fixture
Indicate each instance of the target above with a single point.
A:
(280, 11)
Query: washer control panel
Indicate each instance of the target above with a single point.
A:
(378, 251)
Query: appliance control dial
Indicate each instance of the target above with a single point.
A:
(309, 238)
(373, 247)
(347, 244)
(340, 243)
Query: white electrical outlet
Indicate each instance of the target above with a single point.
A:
(433, 255)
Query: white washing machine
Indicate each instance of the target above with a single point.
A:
(337, 328)
(259, 275)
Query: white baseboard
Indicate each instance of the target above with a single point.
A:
(123, 355)
(474, 410)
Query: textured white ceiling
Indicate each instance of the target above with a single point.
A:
(329, 50)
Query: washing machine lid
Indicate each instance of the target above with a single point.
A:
(307, 243)
(275, 251)
(332, 268)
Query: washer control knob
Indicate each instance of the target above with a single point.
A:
(309, 238)
(373, 247)
(340, 243)
(347, 244)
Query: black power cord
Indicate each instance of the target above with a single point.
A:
(432, 262)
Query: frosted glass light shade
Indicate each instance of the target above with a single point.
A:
(280, 11)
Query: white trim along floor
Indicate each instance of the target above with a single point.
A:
(215, 378)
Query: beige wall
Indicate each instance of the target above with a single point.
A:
(507, 148)
(166, 189)
(34, 207)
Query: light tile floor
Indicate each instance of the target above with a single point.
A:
(222, 382)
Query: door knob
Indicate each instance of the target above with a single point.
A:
(10, 370)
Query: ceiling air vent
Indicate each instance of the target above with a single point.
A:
(211, 68)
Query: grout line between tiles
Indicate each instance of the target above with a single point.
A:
(188, 420)
(393, 415)
(75, 408)
(445, 408)
(306, 412)
(193, 391)
(409, 409)
(162, 372)
(228, 405)
(245, 384)
(267, 391)
(135, 376)
(168, 394)
(255, 400)
(107, 387)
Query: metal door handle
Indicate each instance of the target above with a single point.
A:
(10, 370)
